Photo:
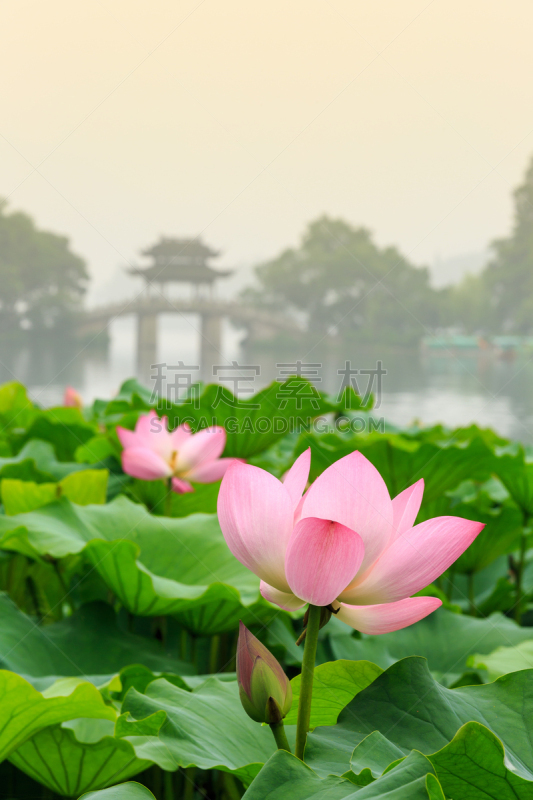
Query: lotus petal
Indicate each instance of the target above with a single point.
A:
(206, 445)
(387, 617)
(255, 513)
(285, 600)
(143, 463)
(351, 491)
(405, 507)
(295, 480)
(414, 560)
(180, 486)
(322, 558)
(210, 471)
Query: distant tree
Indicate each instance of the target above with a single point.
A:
(469, 306)
(340, 281)
(508, 279)
(41, 279)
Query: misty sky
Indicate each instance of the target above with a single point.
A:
(243, 119)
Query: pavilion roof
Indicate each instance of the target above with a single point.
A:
(169, 248)
(185, 273)
(182, 260)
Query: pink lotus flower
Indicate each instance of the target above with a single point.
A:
(72, 398)
(344, 543)
(152, 452)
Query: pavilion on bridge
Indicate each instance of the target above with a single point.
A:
(180, 261)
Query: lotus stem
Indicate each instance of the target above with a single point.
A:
(157, 780)
(168, 499)
(64, 587)
(230, 786)
(183, 644)
(32, 590)
(189, 774)
(278, 729)
(169, 785)
(520, 570)
(306, 685)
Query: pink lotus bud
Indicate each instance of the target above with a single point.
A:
(265, 691)
(72, 398)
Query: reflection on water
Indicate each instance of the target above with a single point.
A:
(454, 391)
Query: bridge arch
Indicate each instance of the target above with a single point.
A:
(259, 324)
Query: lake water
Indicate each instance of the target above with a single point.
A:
(453, 391)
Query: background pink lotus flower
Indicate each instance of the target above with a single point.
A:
(345, 542)
(72, 398)
(152, 452)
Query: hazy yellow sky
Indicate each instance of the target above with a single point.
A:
(243, 119)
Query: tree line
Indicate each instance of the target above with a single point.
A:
(42, 281)
(338, 282)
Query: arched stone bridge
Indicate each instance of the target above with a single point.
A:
(260, 324)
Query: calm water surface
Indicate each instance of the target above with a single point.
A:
(453, 391)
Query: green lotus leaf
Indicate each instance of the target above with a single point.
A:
(78, 757)
(334, 685)
(439, 434)
(501, 535)
(150, 726)
(207, 727)
(153, 495)
(414, 712)
(96, 449)
(516, 474)
(255, 423)
(124, 791)
(132, 394)
(444, 638)
(286, 777)
(37, 462)
(402, 461)
(84, 488)
(65, 428)
(20, 496)
(372, 757)
(154, 565)
(24, 711)
(139, 676)
(473, 765)
(279, 457)
(434, 788)
(89, 643)
(35, 586)
(16, 409)
(504, 659)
